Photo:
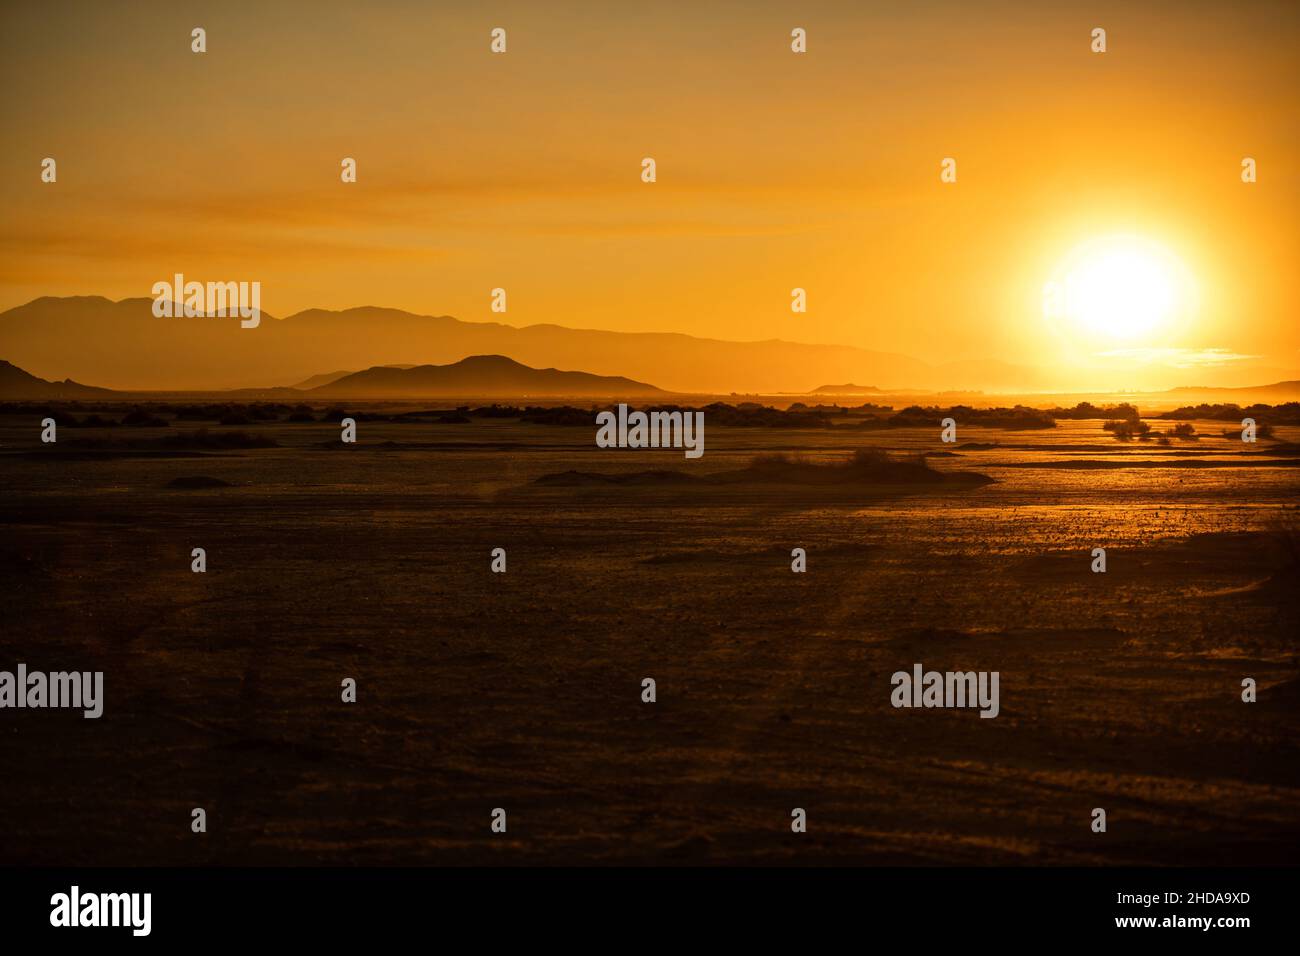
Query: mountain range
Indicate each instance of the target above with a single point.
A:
(122, 345)
(496, 376)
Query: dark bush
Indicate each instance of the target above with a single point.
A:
(143, 419)
(1126, 430)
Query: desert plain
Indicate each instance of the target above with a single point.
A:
(523, 690)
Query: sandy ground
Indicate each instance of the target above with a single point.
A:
(522, 691)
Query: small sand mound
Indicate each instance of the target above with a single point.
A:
(868, 466)
(864, 469)
(1284, 696)
(588, 479)
(191, 482)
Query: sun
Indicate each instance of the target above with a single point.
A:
(1120, 287)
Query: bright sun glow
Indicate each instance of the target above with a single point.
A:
(1118, 287)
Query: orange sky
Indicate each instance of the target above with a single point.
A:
(775, 170)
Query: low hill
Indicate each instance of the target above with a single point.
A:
(480, 375)
(843, 390)
(1244, 395)
(325, 378)
(16, 383)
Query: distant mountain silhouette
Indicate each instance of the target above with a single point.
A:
(480, 375)
(1277, 392)
(322, 379)
(16, 383)
(326, 377)
(843, 389)
(125, 346)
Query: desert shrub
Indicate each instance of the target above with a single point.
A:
(143, 419)
(202, 438)
(1019, 418)
(1288, 413)
(914, 416)
(753, 415)
(1263, 432)
(560, 415)
(194, 482)
(1126, 430)
(263, 412)
(864, 466)
(192, 413)
(1086, 410)
(497, 411)
(98, 421)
